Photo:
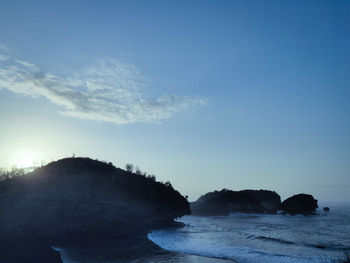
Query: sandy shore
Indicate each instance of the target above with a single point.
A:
(138, 250)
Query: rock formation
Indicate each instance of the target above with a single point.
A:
(226, 201)
(299, 204)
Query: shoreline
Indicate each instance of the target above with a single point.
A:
(137, 249)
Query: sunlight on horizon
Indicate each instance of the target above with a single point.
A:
(24, 158)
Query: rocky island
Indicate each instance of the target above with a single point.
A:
(299, 204)
(80, 199)
(226, 201)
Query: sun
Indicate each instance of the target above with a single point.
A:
(26, 161)
(26, 158)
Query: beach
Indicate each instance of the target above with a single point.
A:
(136, 250)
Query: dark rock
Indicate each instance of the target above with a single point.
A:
(226, 201)
(326, 209)
(299, 204)
(28, 251)
(83, 199)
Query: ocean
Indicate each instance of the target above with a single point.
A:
(252, 238)
(239, 238)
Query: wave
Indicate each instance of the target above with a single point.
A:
(250, 238)
(205, 247)
(327, 246)
(282, 241)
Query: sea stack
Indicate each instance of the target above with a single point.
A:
(299, 204)
(226, 201)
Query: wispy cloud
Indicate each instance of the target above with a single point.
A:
(3, 47)
(107, 91)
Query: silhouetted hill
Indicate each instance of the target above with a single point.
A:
(226, 201)
(81, 198)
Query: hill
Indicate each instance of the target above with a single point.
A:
(84, 199)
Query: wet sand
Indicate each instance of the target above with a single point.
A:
(140, 250)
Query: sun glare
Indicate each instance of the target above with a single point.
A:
(26, 158)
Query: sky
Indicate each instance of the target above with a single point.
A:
(204, 94)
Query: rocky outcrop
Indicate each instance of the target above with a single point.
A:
(81, 198)
(226, 201)
(299, 204)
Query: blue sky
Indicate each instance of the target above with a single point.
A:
(206, 94)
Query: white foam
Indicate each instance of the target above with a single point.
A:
(201, 246)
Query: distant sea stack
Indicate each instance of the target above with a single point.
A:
(226, 201)
(299, 204)
(83, 199)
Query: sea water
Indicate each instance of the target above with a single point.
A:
(251, 238)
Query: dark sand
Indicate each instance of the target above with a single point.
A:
(140, 250)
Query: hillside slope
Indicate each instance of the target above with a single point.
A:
(84, 199)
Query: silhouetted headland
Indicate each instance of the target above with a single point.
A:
(226, 201)
(80, 199)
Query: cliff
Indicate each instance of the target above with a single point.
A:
(81, 198)
(226, 201)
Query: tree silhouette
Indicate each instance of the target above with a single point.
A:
(129, 167)
(138, 171)
(168, 184)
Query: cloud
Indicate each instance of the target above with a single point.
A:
(3, 48)
(3, 57)
(107, 91)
